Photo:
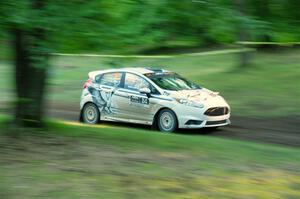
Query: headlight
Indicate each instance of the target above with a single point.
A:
(189, 103)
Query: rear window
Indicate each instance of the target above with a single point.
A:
(98, 78)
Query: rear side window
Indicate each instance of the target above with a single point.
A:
(111, 79)
(98, 78)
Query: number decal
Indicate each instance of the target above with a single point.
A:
(145, 100)
(139, 100)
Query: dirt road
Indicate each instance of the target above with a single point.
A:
(284, 131)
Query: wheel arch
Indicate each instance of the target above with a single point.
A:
(81, 111)
(154, 122)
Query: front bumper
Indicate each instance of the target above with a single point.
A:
(206, 123)
(195, 118)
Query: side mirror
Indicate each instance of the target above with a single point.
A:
(145, 90)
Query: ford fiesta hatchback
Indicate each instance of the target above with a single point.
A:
(153, 97)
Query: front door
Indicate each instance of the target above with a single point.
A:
(136, 105)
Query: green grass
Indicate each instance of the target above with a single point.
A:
(71, 161)
(270, 87)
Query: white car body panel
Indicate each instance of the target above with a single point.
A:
(128, 111)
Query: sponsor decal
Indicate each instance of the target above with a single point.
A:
(102, 98)
(139, 100)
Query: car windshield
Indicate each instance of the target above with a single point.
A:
(172, 81)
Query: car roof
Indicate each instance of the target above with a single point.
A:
(137, 70)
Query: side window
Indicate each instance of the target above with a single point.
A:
(134, 82)
(111, 79)
(98, 78)
(154, 90)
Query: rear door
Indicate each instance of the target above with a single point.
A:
(104, 94)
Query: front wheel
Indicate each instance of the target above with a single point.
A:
(90, 114)
(167, 121)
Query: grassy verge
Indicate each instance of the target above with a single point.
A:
(71, 161)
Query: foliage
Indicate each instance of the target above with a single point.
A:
(133, 25)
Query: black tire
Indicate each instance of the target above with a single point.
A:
(167, 121)
(90, 114)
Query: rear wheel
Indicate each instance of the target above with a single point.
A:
(167, 121)
(90, 114)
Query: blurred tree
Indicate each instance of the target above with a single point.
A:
(29, 36)
(262, 11)
(243, 34)
(34, 26)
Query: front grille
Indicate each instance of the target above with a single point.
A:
(215, 122)
(217, 111)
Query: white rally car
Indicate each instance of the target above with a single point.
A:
(153, 97)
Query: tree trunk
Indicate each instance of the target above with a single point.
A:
(30, 73)
(245, 57)
(30, 77)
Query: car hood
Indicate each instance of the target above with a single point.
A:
(203, 96)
